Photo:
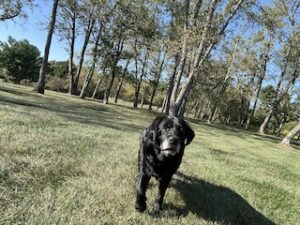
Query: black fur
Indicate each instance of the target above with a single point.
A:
(161, 149)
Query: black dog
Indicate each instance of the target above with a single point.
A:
(161, 149)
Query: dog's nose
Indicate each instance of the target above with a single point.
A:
(172, 139)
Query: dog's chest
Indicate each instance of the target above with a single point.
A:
(163, 168)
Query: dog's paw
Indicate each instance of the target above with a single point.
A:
(141, 206)
(157, 208)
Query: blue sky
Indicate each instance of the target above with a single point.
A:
(34, 30)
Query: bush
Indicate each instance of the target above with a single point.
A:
(20, 59)
(288, 127)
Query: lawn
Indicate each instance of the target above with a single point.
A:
(64, 160)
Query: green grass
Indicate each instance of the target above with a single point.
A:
(69, 161)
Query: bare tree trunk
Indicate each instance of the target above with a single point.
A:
(90, 74)
(199, 112)
(278, 97)
(156, 81)
(222, 89)
(71, 56)
(143, 99)
(121, 81)
(139, 82)
(196, 12)
(256, 95)
(114, 70)
(289, 137)
(263, 126)
(184, 102)
(87, 81)
(166, 109)
(163, 107)
(196, 107)
(40, 86)
(96, 88)
(206, 109)
(241, 115)
(88, 32)
(173, 107)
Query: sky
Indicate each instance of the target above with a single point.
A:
(33, 28)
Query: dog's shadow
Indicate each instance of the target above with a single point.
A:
(214, 203)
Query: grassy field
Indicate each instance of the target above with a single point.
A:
(69, 161)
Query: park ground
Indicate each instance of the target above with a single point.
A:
(64, 160)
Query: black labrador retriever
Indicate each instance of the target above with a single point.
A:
(161, 149)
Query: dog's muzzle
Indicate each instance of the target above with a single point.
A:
(169, 149)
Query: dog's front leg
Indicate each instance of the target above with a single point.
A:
(141, 186)
(163, 185)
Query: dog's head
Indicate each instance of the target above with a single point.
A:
(171, 134)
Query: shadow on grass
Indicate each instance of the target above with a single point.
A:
(243, 134)
(215, 203)
(79, 112)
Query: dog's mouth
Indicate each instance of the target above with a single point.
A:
(169, 152)
(169, 149)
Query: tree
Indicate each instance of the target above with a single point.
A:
(125, 71)
(20, 60)
(40, 86)
(10, 9)
(91, 71)
(87, 20)
(211, 34)
(288, 55)
(157, 75)
(291, 134)
(67, 29)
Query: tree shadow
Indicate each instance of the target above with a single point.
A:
(215, 203)
(80, 112)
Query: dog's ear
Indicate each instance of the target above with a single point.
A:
(189, 133)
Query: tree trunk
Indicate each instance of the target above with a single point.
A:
(184, 102)
(121, 81)
(200, 110)
(166, 108)
(88, 32)
(277, 97)
(96, 88)
(263, 126)
(87, 81)
(196, 11)
(114, 70)
(40, 86)
(199, 56)
(71, 56)
(90, 74)
(196, 107)
(139, 82)
(222, 90)
(156, 81)
(256, 95)
(174, 108)
(289, 137)
(143, 99)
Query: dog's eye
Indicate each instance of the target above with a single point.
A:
(179, 128)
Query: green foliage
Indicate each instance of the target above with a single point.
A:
(9, 9)
(58, 69)
(267, 95)
(20, 59)
(288, 127)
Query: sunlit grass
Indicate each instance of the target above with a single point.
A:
(69, 161)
